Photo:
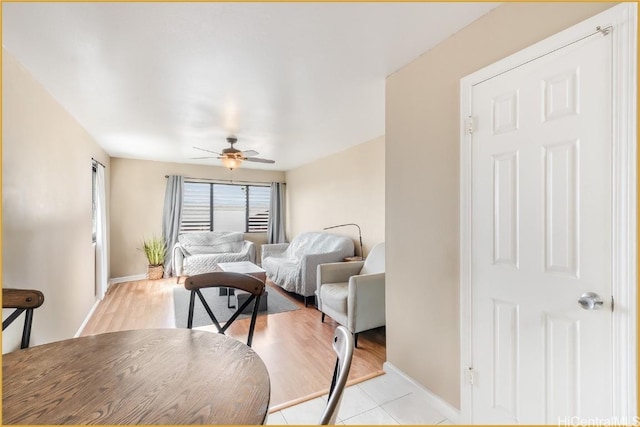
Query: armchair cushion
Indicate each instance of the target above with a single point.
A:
(334, 295)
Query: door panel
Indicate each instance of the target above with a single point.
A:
(541, 237)
(561, 212)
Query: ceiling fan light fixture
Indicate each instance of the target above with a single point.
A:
(232, 158)
(231, 162)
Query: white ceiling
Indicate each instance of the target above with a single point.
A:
(294, 81)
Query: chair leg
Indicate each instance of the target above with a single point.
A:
(355, 339)
(307, 299)
(254, 315)
(192, 301)
(26, 331)
(322, 320)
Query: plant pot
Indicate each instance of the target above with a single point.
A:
(155, 272)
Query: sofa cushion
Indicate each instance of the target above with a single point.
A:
(203, 263)
(335, 296)
(283, 271)
(212, 242)
(315, 243)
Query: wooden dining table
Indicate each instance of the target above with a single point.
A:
(148, 376)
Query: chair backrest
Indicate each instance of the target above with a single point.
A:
(23, 300)
(343, 344)
(218, 279)
(375, 261)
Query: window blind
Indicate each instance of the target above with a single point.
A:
(225, 207)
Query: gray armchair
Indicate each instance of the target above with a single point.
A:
(352, 293)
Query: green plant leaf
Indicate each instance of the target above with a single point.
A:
(155, 249)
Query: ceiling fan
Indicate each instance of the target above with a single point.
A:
(232, 157)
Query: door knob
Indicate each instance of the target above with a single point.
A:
(590, 301)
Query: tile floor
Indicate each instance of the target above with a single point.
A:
(388, 399)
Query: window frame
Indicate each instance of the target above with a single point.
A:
(247, 205)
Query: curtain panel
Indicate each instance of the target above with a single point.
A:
(275, 230)
(171, 217)
(102, 264)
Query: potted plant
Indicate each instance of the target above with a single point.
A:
(155, 249)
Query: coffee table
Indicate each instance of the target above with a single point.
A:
(244, 267)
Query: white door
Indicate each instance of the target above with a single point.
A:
(541, 238)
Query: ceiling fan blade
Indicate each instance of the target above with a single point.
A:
(208, 151)
(249, 153)
(258, 160)
(201, 158)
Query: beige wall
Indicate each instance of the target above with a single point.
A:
(422, 205)
(137, 201)
(347, 187)
(46, 206)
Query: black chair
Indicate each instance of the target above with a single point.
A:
(343, 344)
(23, 300)
(243, 282)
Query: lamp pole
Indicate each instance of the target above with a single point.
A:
(359, 235)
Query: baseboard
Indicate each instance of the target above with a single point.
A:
(433, 399)
(114, 280)
(321, 393)
(86, 319)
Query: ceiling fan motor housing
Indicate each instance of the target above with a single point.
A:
(232, 151)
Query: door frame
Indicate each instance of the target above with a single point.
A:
(623, 20)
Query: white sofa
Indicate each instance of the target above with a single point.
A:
(352, 293)
(197, 253)
(292, 266)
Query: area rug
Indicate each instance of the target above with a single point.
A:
(276, 303)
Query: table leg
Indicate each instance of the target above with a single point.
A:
(229, 293)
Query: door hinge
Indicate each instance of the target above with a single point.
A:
(469, 125)
(470, 375)
(613, 304)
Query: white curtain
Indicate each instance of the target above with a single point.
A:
(102, 265)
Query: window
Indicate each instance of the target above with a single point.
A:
(225, 207)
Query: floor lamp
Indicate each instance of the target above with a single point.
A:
(359, 235)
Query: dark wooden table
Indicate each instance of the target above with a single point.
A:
(149, 376)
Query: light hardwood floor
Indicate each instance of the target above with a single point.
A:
(295, 345)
